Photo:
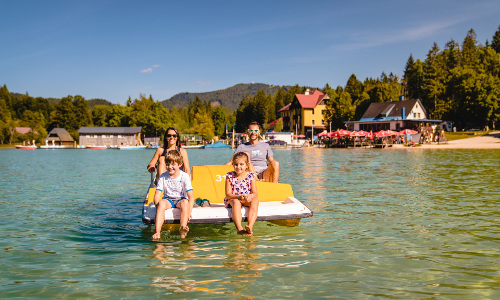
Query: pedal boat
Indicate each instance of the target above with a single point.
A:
(276, 201)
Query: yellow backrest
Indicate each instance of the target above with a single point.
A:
(209, 182)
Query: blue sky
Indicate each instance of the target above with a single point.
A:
(119, 49)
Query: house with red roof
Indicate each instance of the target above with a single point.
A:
(304, 115)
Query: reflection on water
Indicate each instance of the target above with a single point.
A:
(236, 260)
(387, 223)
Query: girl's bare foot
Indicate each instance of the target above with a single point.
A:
(156, 236)
(249, 230)
(183, 230)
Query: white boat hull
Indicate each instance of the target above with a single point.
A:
(289, 209)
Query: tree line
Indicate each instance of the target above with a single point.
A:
(459, 83)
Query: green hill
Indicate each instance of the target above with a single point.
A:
(230, 97)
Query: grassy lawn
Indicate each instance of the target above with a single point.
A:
(451, 136)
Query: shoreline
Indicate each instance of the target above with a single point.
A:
(489, 141)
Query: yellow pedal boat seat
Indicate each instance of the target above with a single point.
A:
(209, 183)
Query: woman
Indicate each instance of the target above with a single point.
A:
(171, 141)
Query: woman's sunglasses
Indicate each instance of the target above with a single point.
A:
(253, 130)
(171, 135)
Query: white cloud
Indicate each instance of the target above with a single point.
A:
(370, 39)
(149, 70)
(201, 82)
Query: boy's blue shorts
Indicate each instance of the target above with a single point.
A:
(174, 202)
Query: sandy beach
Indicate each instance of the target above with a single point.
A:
(489, 141)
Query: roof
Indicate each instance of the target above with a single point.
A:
(389, 110)
(274, 122)
(110, 130)
(285, 108)
(311, 100)
(59, 134)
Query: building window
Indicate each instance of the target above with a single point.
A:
(414, 115)
(322, 122)
(312, 122)
(419, 115)
(312, 111)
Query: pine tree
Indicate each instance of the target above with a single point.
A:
(433, 82)
(469, 54)
(495, 41)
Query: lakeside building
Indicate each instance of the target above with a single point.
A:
(110, 136)
(59, 137)
(305, 114)
(393, 115)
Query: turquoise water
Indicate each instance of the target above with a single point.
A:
(398, 224)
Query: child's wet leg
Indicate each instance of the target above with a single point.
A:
(160, 217)
(185, 215)
(252, 215)
(236, 215)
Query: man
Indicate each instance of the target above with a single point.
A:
(261, 155)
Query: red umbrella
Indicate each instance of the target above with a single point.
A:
(359, 133)
(382, 133)
(324, 133)
(393, 132)
(340, 133)
(408, 131)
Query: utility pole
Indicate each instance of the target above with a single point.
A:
(232, 140)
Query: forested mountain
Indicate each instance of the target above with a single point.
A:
(94, 102)
(230, 97)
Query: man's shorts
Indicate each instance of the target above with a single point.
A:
(260, 171)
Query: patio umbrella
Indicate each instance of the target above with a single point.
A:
(392, 132)
(408, 131)
(382, 133)
(324, 133)
(341, 133)
(359, 133)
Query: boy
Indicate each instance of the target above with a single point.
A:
(176, 185)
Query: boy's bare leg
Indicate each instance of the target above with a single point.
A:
(185, 216)
(160, 217)
(236, 215)
(252, 215)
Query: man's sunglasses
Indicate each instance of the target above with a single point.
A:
(171, 135)
(253, 130)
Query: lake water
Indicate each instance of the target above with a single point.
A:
(398, 224)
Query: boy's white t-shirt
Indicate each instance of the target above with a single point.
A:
(174, 187)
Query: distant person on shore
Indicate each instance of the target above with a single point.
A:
(241, 190)
(171, 141)
(261, 156)
(177, 193)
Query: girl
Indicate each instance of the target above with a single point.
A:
(171, 141)
(241, 190)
